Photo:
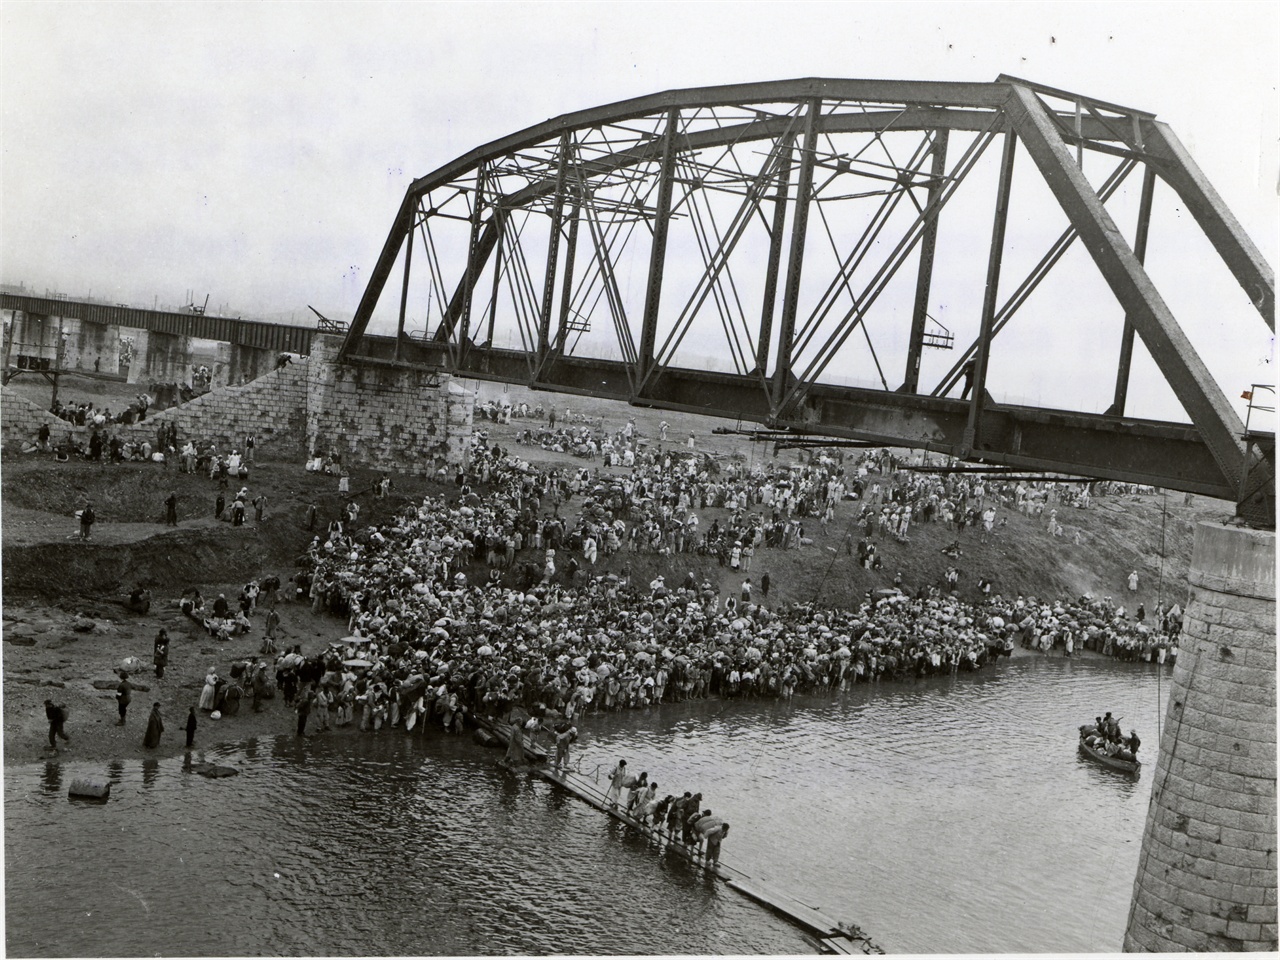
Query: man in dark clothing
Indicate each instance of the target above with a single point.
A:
(220, 606)
(160, 653)
(968, 378)
(304, 710)
(171, 509)
(764, 586)
(124, 693)
(311, 517)
(218, 506)
(57, 714)
(191, 727)
(86, 521)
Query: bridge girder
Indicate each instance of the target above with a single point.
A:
(732, 163)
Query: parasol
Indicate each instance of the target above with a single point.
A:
(356, 663)
(130, 664)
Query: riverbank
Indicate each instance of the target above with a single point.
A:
(79, 670)
(51, 578)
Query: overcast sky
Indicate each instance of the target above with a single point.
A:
(257, 152)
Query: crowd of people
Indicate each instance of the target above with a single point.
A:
(88, 415)
(431, 641)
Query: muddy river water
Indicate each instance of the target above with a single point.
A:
(951, 816)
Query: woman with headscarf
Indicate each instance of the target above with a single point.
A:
(155, 727)
(209, 693)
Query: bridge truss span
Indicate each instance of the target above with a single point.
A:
(791, 252)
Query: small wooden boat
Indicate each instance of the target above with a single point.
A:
(1133, 767)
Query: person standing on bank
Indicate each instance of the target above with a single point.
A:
(191, 728)
(160, 654)
(304, 710)
(57, 714)
(155, 727)
(87, 517)
(124, 694)
(171, 509)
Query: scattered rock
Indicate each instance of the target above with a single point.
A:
(83, 625)
(31, 680)
(69, 638)
(105, 684)
(54, 683)
(89, 789)
(19, 630)
(213, 770)
(20, 641)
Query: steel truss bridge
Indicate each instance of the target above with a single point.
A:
(598, 252)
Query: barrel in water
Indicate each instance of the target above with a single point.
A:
(88, 789)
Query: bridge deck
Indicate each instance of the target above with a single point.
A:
(279, 337)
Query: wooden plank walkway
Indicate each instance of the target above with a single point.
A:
(832, 936)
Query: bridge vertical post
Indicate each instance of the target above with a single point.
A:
(795, 263)
(924, 276)
(566, 293)
(994, 259)
(658, 249)
(473, 268)
(404, 286)
(1139, 251)
(776, 228)
(553, 254)
(497, 273)
(8, 340)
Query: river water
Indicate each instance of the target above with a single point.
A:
(949, 816)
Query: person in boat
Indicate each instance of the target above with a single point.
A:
(1133, 743)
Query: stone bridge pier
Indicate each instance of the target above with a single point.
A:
(163, 357)
(1207, 872)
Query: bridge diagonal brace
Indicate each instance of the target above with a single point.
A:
(1238, 252)
(1173, 353)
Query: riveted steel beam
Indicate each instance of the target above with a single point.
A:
(776, 230)
(658, 249)
(1126, 337)
(994, 257)
(1169, 455)
(1183, 369)
(795, 262)
(924, 275)
(1250, 268)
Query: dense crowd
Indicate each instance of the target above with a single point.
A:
(428, 645)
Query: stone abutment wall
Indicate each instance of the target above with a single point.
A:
(1207, 872)
(397, 419)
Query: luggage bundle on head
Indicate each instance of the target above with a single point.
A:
(706, 825)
